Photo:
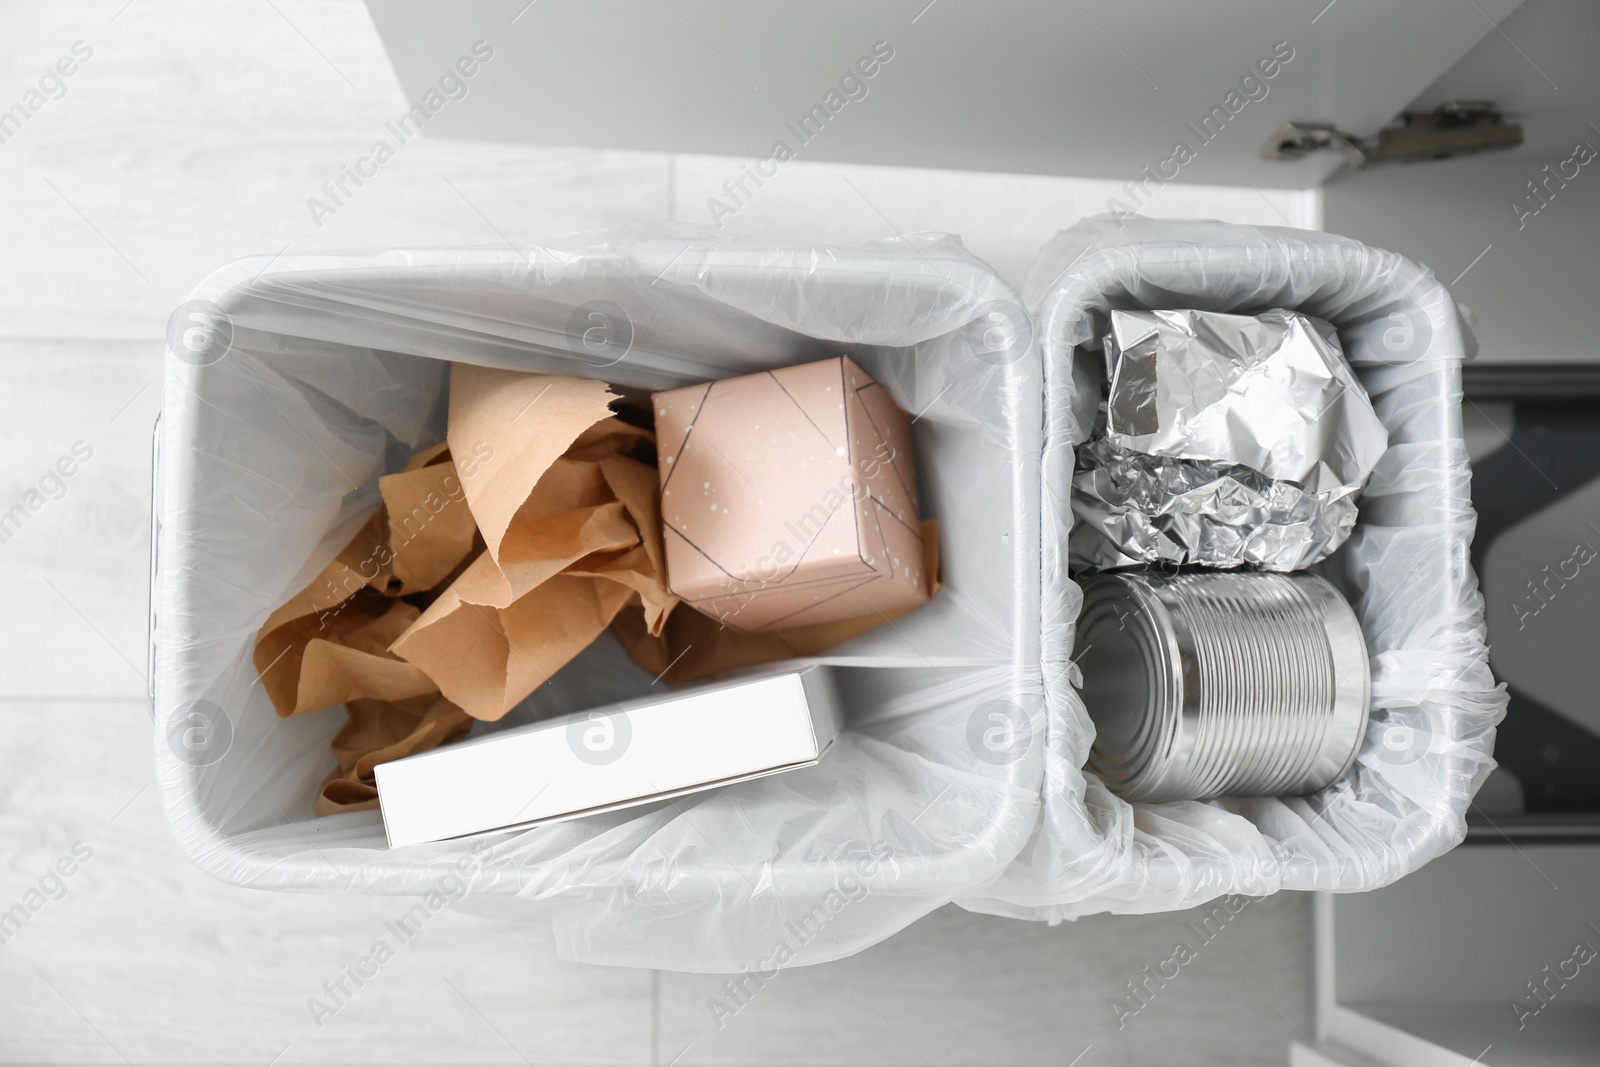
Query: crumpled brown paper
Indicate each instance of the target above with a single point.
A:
(431, 531)
(329, 643)
(571, 525)
(480, 579)
(521, 423)
(488, 658)
(378, 731)
(694, 645)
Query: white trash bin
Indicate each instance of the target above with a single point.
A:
(1405, 569)
(293, 382)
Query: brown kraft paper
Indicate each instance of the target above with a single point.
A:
(571, 528)
(431, 532)
(329, 643)
(486, 658)
(377, 732)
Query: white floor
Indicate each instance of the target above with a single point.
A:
(192, 136)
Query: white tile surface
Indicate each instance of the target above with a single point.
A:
(78, 562)
(193, 137)
(197, 133)
(959, 988)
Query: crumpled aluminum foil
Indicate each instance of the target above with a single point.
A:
(1230, 440)
(1132, 508)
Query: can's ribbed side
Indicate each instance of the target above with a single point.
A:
(1219, 684)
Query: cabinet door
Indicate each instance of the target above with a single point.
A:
(1512, 233)
(1145, 91)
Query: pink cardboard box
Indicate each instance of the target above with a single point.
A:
(790, 498)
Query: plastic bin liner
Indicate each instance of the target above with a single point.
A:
(293, 382)
(1405, 569)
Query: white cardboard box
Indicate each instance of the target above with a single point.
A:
(612, 757)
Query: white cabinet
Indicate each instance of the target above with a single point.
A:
(1089, 89)
(1512, 233)
(1489, 955)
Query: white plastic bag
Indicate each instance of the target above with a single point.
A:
(1406, 570)
(293, 383)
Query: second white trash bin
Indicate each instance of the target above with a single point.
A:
(1405, 569)
(292, 382)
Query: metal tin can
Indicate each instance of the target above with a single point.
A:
(1221, 684)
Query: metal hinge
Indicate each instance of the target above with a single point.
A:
(1452, 129)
